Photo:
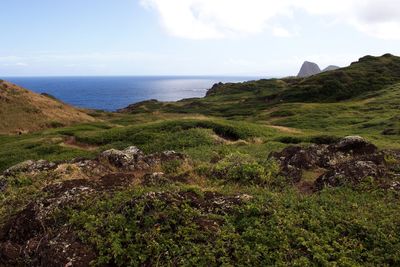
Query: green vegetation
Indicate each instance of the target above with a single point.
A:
(227, 204)
(337, 227)
(242, 168)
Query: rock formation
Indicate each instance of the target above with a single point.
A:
(348, 161)
(308, 69)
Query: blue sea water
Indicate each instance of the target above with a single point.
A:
(111, 93)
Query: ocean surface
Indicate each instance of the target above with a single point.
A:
(112, 93)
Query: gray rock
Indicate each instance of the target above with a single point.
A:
(30, 166)
(356, 144)
(350, 160)
(352, 172)
(130, 158)
(308, 69)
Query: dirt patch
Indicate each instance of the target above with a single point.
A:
(116, 180)
(305, 187)
(307, 182)
(285, 129)
(221, 140)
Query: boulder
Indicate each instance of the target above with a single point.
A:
(355, 144)
(133, 159)
(352, 173)
(30, 166)
(349, 160)
(130, 158)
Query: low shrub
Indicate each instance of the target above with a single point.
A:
(289, 140)
(242, 168)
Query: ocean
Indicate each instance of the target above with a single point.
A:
(112, 93)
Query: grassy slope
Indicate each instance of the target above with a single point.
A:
(24, 111)
(369, 89)
(280, 226)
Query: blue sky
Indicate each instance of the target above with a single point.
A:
(191, 37)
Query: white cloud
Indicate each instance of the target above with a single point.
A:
(205, 19)
(21, 64)
(202, 19)
(377, 18)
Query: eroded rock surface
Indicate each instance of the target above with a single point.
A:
(33, 237)
(348, 161)
(30, 166)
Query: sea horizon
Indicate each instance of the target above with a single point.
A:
(111, 93)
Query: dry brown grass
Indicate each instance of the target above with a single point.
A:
(24, 111)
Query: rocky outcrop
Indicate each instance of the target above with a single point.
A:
(348, 161)
(215, 89)
(30, 166)
(308, 69)
(351, 172)
(129, 160)
(33, 237)
(132, 158)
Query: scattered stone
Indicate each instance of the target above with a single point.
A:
(395, 185)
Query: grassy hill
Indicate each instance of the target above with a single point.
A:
(360, 99)
(226, 202)
(23, 111)
(363, 78)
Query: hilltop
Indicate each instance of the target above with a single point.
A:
(23, 111)
(368, 75)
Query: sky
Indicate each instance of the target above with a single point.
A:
(191, 37)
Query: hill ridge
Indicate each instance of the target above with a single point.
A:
(22, 110)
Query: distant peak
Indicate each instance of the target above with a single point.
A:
(330, 68)
(308, 69)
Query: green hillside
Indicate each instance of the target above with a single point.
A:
(277, 172)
